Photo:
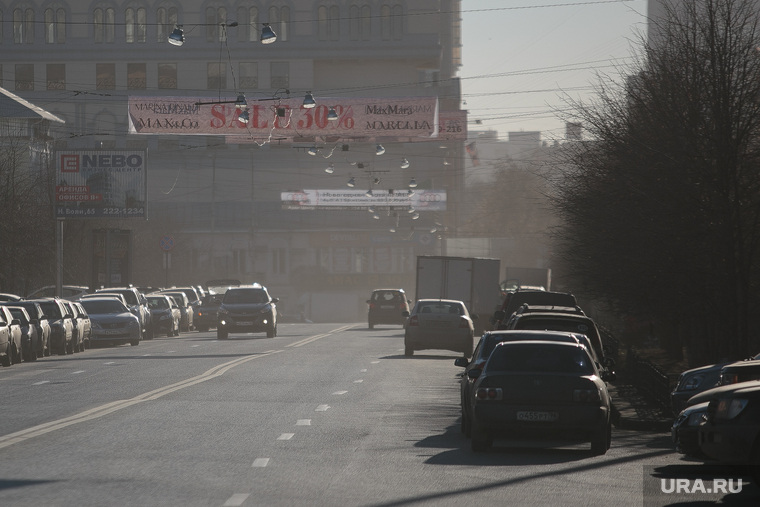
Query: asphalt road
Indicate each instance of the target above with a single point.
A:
(322, 415)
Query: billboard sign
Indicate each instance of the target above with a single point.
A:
(101, 184)
(389, 118)
(422, 200)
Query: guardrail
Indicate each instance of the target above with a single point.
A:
(653, 383)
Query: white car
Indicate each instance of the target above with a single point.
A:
(439, 324)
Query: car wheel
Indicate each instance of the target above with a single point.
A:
(203, 329)
(16, 355)
(481, 441)
(601, 441)
(170, 332)
(221, 335)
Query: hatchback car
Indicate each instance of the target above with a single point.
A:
(112, 321)
(206, 312)
(387, 306)
(541, 389)
(247, 309)
(439, 324)
(136, 303)
(186, 321)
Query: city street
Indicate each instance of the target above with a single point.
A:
(323, 414)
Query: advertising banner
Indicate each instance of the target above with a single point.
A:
(423, 200)
(97, 184)
(409, 118)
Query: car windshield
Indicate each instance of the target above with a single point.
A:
(104, 306)
(569, 325)
(387, 297)
(238, 296)
(541, 358)
(158, 303)
(129, 296)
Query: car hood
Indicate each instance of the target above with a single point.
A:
(243, 307)
(111, 317)
(705, 396)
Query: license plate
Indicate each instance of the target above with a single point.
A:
(537, 416)
(244, 323)
(387, 307)
(111, 331)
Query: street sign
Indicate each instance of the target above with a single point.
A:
(167, 242)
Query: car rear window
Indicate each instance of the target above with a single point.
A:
(242, 296)
(387, 296)
(540, 358)
(441, 309)
(158, 303)
(51, 309)
(100, 307)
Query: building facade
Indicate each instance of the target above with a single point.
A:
(220, 205)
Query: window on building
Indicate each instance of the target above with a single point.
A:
(428, 77)
(23, 26)
(385, 22)
(359, 24)
(397, 22)
(217, 76)
(279, 20)
(280, 75)
(328, 22)
(215, 18)
(105, 76)
(166, 20)
(167, 76)
(24, 77)
(135, 21)
(136, 76)
(55, 26)
(248, 24)
(56, 76)
(249, 75)
(103, 25)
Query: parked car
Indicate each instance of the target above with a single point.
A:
(9, 297)
(247, 309)
(70, 292)
(439, 324)
(543, 389)
(483, 349)
(112, 321)
(61, 324)
(30, 340)
(513, 300)
(207, 312)
(186, 310)
(696, 380)
(86, 324)
(40, 321)
(387, 306)
(77, 338)
(731, 431)
(570, 322)
(10, 338)
(136, 303)
(164, 313)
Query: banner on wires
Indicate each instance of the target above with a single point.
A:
(98, 184)
(423, 200)
(402, 118)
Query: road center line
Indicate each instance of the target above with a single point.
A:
(260, 462)
(314, 338)
(114, 406)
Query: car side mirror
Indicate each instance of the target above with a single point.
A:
(462, 362)
(474, 373)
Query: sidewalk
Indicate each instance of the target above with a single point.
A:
(631, 411)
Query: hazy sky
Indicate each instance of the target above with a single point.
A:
(521, 56)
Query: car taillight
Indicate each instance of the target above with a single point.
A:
(488, 394)
(413, 321)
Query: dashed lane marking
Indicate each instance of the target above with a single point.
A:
(286, 436)
(236, 500)
(260, 462)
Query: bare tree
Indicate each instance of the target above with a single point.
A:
(661, 210)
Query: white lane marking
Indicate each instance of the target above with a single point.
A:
(77, 372)
(338, 393)
(363, 370)
(286, 436)
(145, 355)
(236, 500)
(192, 346)
(319, 336)
(375, 362)
(170, 351)
(260, 462)
(114, 406)
(322, 408)
(358, 381)
(41, 382)
(110, 362)
(303, 422)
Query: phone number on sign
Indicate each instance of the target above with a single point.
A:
(123, 211)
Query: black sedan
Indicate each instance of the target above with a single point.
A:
(544, 390)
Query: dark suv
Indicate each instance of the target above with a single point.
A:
(387, 306)
(247, 309)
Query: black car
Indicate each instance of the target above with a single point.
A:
(513, 300)
(541, 389)
(247, 309)
(731, 432)
(386, 306)
(206, 312)
(483, 349)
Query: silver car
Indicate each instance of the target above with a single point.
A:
(112, 322)
(439, 324)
